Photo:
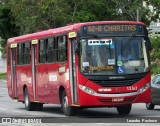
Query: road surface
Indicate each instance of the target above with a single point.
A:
(3, 65)
(52, 115)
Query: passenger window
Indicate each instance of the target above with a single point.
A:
(62, 48)
(26, 53)
(24, 57)
(19, 54)
(53, 49)
(50, 52)
(42, 51)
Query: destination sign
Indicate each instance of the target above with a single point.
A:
(112, 28)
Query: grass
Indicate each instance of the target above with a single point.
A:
(3, 75)
(155, 68)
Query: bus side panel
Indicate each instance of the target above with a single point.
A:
(49, 81)
(24, 79)
(42, 83)
(63, 80)
(9, 71)
(53, 83)
(9, 84)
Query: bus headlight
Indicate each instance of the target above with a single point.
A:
(87, 90)
(144, 88)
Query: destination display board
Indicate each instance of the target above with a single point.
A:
(112, 28)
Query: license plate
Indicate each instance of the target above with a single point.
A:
(117, 99)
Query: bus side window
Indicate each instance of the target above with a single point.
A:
(42, 51)
(56, 48)
(50, 56)
(24, 53)
(62, 48)
(27, 53)
(20, 53)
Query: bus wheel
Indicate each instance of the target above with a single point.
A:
(67, 110)
(124, 110)
(28, 104)
(150, 106)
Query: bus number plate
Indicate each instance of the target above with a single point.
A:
(117, 99)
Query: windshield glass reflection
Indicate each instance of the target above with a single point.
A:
(108, 56)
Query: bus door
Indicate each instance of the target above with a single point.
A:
(73, 72)
(73, 80)
(34, 69)
(13, 71)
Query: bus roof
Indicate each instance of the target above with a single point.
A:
(62, 30)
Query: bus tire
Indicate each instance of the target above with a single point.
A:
(30, 106)
(124, 110)
(150, 106)
(67, 110)
(39, 106)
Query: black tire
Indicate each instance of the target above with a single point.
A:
(125, 109)
(30, 106)
(39, 106)
(67, 110)
(150, 106)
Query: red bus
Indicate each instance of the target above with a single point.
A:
(92, 64)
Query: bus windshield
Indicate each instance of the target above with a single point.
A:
(113, 55)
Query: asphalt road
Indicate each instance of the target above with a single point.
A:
(3, 65)
(52, 115)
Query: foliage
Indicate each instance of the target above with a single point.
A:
(18, 17)
(153, 15)
(3, 75)
(127, 8)
(155, 54)
(32, 15)
(155, 68)
(3, 49)
(7, 26)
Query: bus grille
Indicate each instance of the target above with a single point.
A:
(109, 100)
(115, 83)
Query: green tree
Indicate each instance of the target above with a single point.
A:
(154, 13)
(132, 10)
(32, 15)
(93, 10)
(155, 54)
(7, 26)
(35, 15)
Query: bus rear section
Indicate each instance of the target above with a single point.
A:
(94, 64)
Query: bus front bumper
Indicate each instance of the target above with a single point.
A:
(90, 98)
